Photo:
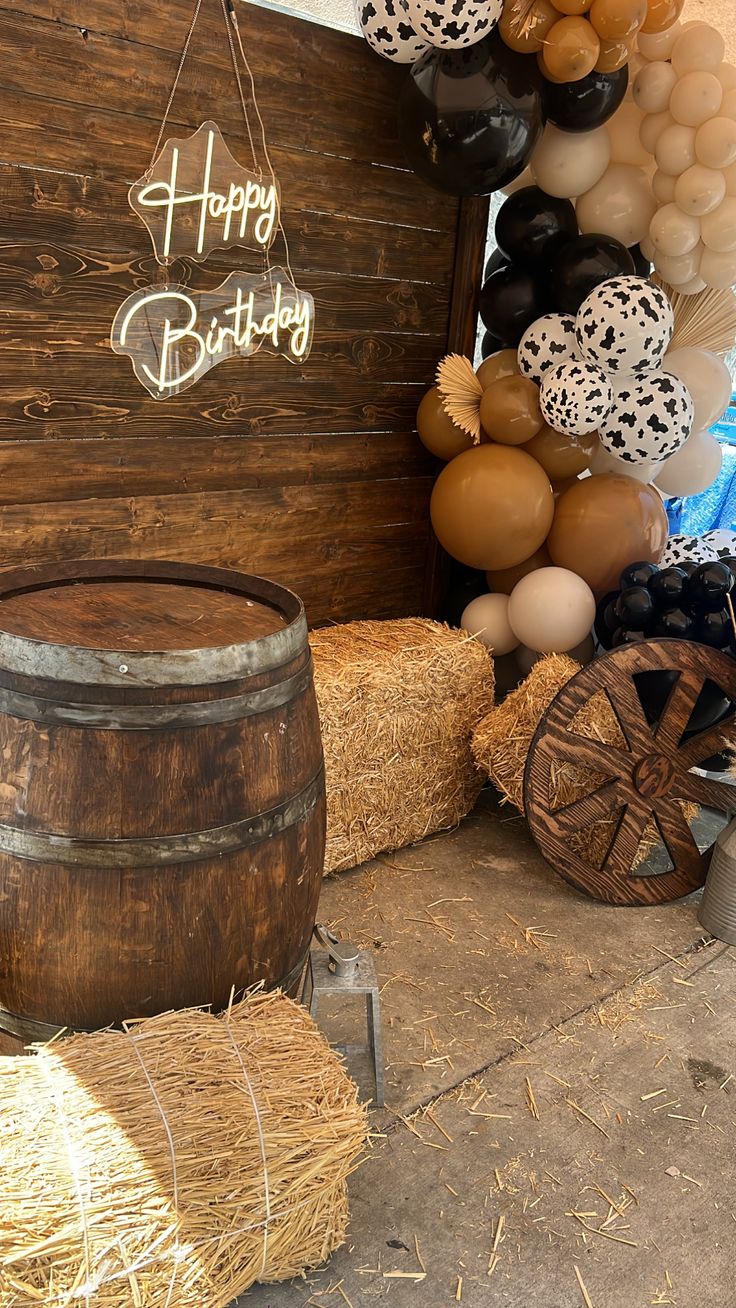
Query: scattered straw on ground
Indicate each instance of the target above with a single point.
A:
(501, 743)
(174, 1165)
(398, 703)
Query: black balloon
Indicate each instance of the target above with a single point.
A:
(714, 629)
(625, 637)
(667, 587)
(638, 574)
(489, 345)
(470, 119)
(531, 226)
(580, 106)
(510, 301)
(582, 264)
(688, 566)
(634, 608)
(708, 587)
(606, 621)
(642, 266)
(496, 261)
(673, 623)
(465, 585)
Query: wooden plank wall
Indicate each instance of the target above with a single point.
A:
(311, 475)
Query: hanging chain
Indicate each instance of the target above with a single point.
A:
(184, 54)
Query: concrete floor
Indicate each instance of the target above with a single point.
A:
(558, 1084)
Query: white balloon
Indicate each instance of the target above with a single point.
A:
(707, 378)
(650, 418)
(693, 468)
(487, 617)
(551, 610)
(604, 461)
(453, 24)
(386, 27)
(548, 342)
(566, 164)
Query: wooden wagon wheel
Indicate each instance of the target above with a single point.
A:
(644, 779)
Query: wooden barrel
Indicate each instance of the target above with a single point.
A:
(162, 803)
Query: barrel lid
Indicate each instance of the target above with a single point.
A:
(140, 622)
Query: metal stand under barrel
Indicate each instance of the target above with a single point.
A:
(343, 969)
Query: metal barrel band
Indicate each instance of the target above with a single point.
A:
(136, 717)
(34, 1032)
(162, 851)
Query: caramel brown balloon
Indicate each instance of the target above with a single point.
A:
(661, 14)
(492, 507)
(503, 363)
(525, 32)
(571, 49)
(613, 55)
(572, 6)
(509, 410)
(437, 430)
(615, 20)
(503, 580)
(604, 523)
(562, 456)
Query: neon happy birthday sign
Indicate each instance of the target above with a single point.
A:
(194, 199)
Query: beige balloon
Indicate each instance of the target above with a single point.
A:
(693, 287)
(718, 228)
(675, 149)
(679, 268)
(653, 87)
(728, 104)
(729, 177)
(700, 190)
(658, 45)
(487, 617)
(699, 48)
(718, 269)
(706, 377)
(693, 468)
(604, 462)
(565, 164)
(726, 74)
(551, 610)
(623, 134)
(696, 98)
(674, 232)
(621, 205)
(651, 129)
(715, 143)
(663, 187)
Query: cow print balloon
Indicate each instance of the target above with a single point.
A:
(386, 27)
(548, 342)
(722, 541)
(650, 418)
(625, 325)
(575, 398)
(686, 549)
(453, 24)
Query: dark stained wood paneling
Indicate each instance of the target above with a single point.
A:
(311, 474)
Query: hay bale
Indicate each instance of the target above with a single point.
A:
(398, 702)
(173, 1165)
(502, 740)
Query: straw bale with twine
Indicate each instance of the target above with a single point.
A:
(501, 744)
(398, 702)
(173, 1164)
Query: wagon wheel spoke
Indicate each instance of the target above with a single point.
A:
(706, 743)
(589, 753)
(595, 807)
(676, 714)
(623, 849)
(630, 713)
(702, 790)
(675, 830)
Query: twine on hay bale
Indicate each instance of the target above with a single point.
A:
(398, 702)
(502, 740)
(172, 1165)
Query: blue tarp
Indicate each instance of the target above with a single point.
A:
(716, 507)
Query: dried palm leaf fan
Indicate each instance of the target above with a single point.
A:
(521, 16)
(706, 321)
(461, 392)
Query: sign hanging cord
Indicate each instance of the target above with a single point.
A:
(182, 60)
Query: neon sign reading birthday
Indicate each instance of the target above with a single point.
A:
(174, 335)
(197, 198)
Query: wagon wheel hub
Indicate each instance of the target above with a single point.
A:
(641, 782)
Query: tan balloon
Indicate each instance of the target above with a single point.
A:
(718, 269)
(663, 187)
(661, 14)
(573, 6)
(509, 410)
(652, 127)
(614, 20)
(726, 74)
(693, 468)
(699, 48)
(728, 104)
(571, 48)
(501, 364)
(653, 87)
(503, 580)
(526, 36)
(613, 55)
(604, 462)
(673, 231)
(715, 143)
(675, 149)
(696, 98)
(436, 429)
(700, 190)
(621, 205)
(604, 523)
(718, 228)
(729, 178)
(680, 267)
(562, 456)
(623, 134)
(658, 45)
(487, 617)
(551, 610)
(492, 507)
(566, 164)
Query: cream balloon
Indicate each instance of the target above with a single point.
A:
(726, 74)
(653, 87)
(623, 133)
(728, 104)
(693, 287)
(718, 228)
(698, 48)
(487, 617)
(567, 164)
(693, 468)
(715, 143)
(663, 187)
(718, 269)
(551, 610)
(679, 268)
(696, 98)
(699, 190)
(675, 149)
(658, 45)
(673, 231)
(707, 378)
(729, 177)
(652, 127)
(604, 462)
(621, 205)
